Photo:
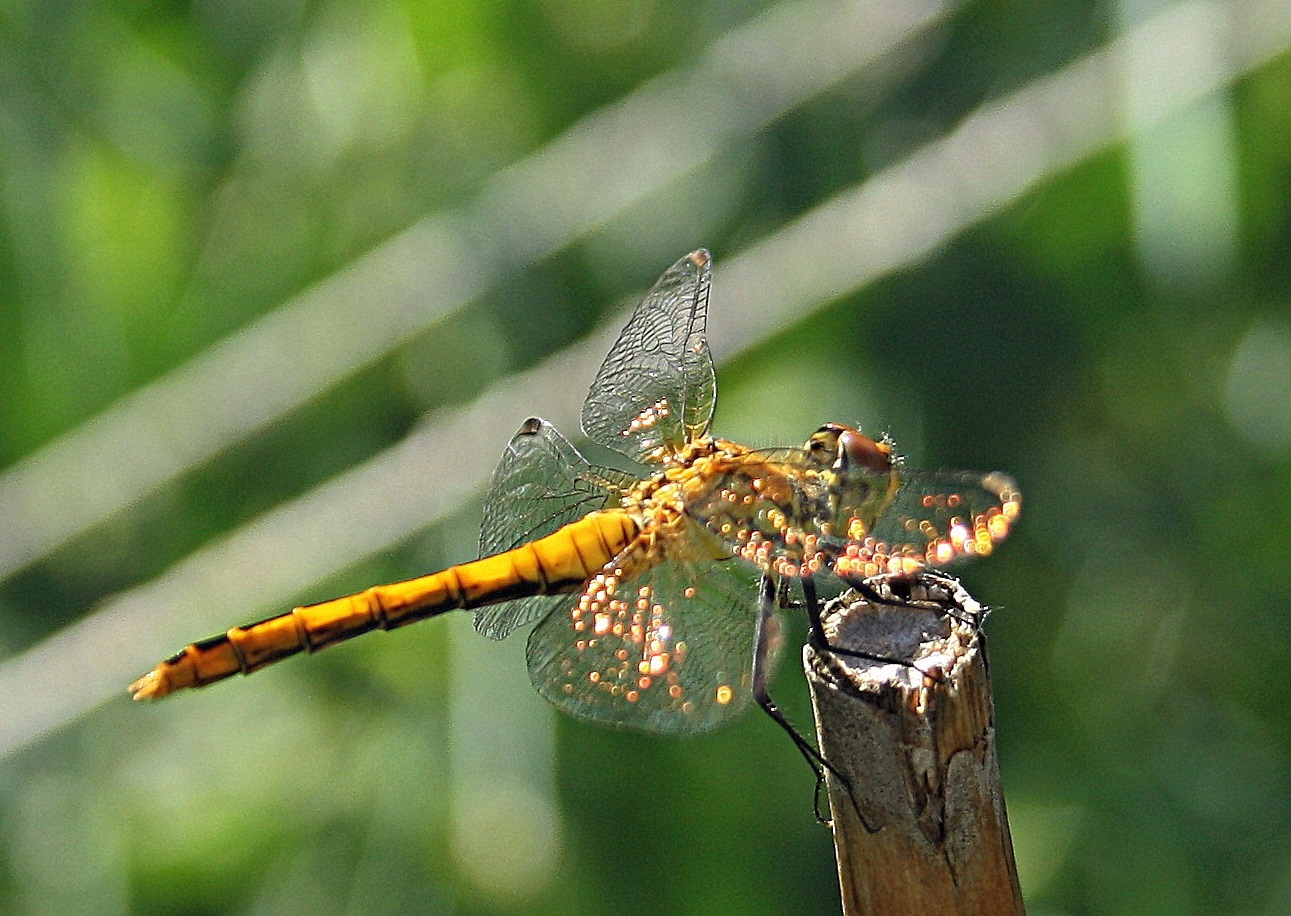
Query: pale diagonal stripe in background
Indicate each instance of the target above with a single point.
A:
(888, 222)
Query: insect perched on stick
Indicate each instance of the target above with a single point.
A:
(652, 594)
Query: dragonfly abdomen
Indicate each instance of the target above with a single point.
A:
(560, 562)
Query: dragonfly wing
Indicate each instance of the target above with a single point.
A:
(656, 387)
(540, 484)
(934, 518)
(670, 652)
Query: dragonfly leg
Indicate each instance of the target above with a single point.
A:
(867, 591)
(767, 594)
(899, 588)
(816, 630)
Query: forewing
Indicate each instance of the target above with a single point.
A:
(670, 652)
(540, 484)
(656, 387)
(934, 518)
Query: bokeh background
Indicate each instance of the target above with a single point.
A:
(279, 279)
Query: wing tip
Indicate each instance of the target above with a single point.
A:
(1004, 488)
(531, 426)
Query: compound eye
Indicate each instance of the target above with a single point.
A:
(856, 450)
(823, 443)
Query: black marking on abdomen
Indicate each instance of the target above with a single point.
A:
(320, 637)
(519, 588)
(204, 645)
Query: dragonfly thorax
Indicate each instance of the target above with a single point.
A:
(786, 511)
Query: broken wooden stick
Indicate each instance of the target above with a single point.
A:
(907, 721)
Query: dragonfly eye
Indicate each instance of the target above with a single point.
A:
(858, 450)
(847, 448)
(823, 443)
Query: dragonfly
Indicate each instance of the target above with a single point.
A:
(655, 594)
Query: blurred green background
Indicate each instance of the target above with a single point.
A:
(268, 271)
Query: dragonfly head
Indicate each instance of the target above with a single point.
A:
(844, 448)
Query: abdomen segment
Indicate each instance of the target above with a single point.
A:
(560, 562)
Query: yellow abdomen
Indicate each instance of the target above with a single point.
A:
(558, 563)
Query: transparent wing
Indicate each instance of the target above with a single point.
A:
(540, 484)
(656, 387)
(671, 651)
(933, 518)
(789, 512)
